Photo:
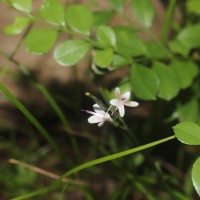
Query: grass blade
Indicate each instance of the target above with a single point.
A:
(30, 117)
(115, 156)
(54, 104)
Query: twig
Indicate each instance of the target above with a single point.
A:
(46, 173)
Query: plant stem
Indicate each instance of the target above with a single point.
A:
(167, 21)
(115, 156)
(86, 165)
(45, 172)
(33, 120)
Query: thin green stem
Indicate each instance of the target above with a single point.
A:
(115, 156)
(39, 192)
(167, 21)
(61, 115)
(54, 104)
(32, 119)
(93, 163)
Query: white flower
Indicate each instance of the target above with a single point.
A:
(122, 100)
(99, 116)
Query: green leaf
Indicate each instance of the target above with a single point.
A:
(196, 175)
(177, 47)
(103, 58)
(71, 52)
(53, 12)
(40, 40)
(118, 5)
(106, 36)
(187, 133)
(17, 27)
(143, 11)
(128, 43)
(155, 51)
(186, 71)
(102, 17)
(79, 18)
(188, 36)
(169, 84)
(193, 6)
(119, 60)
(188, 111)
(22, 5)
(144, 82)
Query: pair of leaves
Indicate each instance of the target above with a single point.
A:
(67, 53)
(106, 39)
(189, 133)
(78, 17)
(149, 83)
(161, 80)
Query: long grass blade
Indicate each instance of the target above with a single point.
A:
(30, 117)
(115, 156)
(61, 116)
(54, 104)
(99, 161)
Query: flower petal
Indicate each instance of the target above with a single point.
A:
(126, 95)
(114, 102)
(95, 119)
(107, 117)
(98, 109)
(117, 92)
(131, 103)
(101, 123)
(121, 110)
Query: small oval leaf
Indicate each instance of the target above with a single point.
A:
(144, 81)
(17, 27)
(187, 133)
(188, 111)
(106, 36)
(188, 37)
(186, 71)
(196, 175)
(71, 52)
(169, 82)
(22, 5)
(128, 43)
(143, 11)
(103, 58)
(40, 40)
(79, 18)
(53, 12)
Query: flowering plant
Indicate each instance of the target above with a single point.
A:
(155, 58)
